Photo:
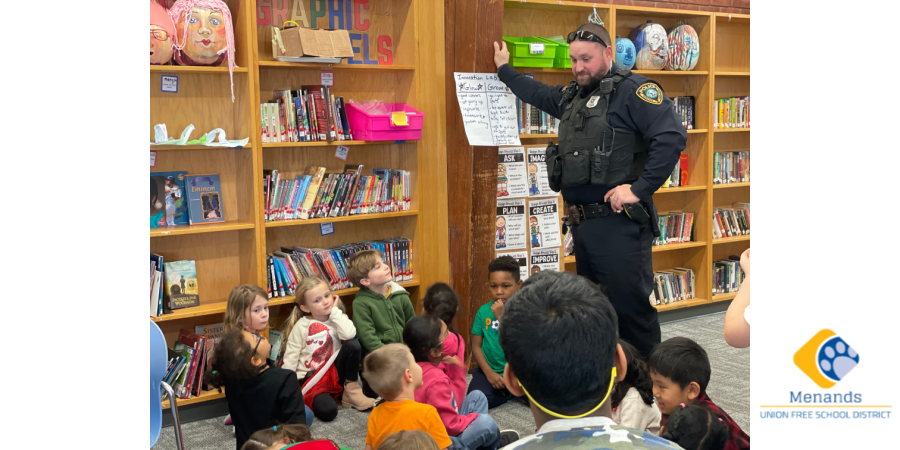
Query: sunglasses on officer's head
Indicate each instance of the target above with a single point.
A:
(584, 35)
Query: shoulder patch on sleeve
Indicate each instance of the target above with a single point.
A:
(650, 93)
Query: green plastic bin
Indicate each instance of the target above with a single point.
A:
(520, 52)
(561, 60)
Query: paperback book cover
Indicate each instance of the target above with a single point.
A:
(204, 195)
(181, 284)
(175, 202)
(157, 202)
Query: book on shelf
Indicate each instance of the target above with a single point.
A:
(679, 175)
(309, 114)
(733, 112)
(731, 222)
(157, 285)
(287, 267)
(181, 284)
(727, 275)
(684, 109)
(175, 204)
(731, 167)
(315, 194)
(188, 361)
(674, 228)
(204, 194)
(671, 286)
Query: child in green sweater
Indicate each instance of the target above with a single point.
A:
(382, 307)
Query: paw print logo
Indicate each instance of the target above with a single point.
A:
(826, 358)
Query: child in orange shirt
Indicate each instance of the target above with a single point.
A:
(392, 372)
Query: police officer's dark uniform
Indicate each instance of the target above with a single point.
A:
(636, 140)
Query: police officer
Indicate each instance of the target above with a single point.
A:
(619, 139)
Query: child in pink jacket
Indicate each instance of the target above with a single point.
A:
(442, 302)
(468, 424)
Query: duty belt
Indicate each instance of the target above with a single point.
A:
(593, 211)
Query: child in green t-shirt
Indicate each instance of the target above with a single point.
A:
(503, 281)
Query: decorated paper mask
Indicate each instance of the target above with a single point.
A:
(162, 34)
(204, 34)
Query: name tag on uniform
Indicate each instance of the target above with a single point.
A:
(593, 101)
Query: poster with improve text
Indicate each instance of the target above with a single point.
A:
(521, 258)
(488, 109)
(538, 184)
(510, 227)
(543, 223)
(511, 173)
(544, 259)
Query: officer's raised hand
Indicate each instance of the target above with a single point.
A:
(501, 54)
(620, 195)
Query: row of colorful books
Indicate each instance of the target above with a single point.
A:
(731, 167)
(732, 112)
(173, 285)
(727, 275)
(177, 198)
(671, 286)
(534, 121)
(684, 108)
(679, 175)
(187, 364)
(316, 194)
(730, 222)
(674, 228)
(311, 113)
(286, 268)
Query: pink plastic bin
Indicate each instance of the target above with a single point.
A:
(377, 127)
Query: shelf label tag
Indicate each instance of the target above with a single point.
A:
(327, 78)
(342, 152)
(536, 48)
(326, 228)
(152, 159)
(169, 84)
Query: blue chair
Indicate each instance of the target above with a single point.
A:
(158, 365)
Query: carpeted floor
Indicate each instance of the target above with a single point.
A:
(729, 388)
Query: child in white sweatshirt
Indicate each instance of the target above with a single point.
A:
(632, 398)
(322, 349)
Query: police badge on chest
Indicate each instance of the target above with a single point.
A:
(593, 101)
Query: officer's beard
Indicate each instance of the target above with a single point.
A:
(591, 83)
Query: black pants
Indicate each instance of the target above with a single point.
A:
(347, 365)
(495, 397)
(615, 252)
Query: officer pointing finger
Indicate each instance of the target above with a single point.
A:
(619, 139)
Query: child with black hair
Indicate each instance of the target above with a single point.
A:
(696, 428)
(679, 368)
(467, 423)
(559, 337)
(258, 395)
(442, 302)
(503, 281)
(632, 398)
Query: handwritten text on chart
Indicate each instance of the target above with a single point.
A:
(488, 109)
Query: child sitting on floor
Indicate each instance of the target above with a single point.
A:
(381, 308)
(632, 398)
(322, 349)
(468, 422)
(393, 374)
(680, 371)
(288, 437)
(503, 282)
(258, 396)
(442, 302)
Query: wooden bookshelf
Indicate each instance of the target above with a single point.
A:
(723, 70)
(233, 253)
